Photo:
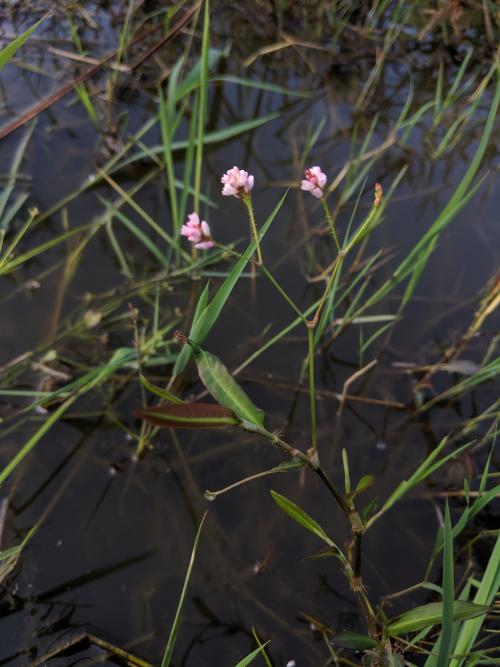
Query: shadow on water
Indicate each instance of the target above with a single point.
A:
(115, 535)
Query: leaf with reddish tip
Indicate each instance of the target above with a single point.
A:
(189, 415)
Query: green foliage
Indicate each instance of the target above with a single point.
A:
(433, 614)
(9, 51)
(174, 630)
(354, 641)
(224, 388)
(251, 656)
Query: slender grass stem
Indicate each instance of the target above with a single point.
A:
(336, 267)
(312, 390)
(247, 200)
(368, 614)
(280, 289)
(329, 217)
(271, 279)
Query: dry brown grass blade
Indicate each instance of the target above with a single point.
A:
(68, 87)
(171, 33)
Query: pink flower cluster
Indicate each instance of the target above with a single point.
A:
(237, 183)
(198, 232)
(314, 182)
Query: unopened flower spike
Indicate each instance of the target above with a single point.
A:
(197, 232)
(379, 193)
(314, 181)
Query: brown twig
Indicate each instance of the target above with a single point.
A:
(68, 87)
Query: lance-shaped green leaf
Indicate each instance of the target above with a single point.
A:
(364, 483)
(224, 388)
(432, 614)
(354, 641)
(189, 415)
(8, 52)
(297, 514)
(158, 391)
(251, 656)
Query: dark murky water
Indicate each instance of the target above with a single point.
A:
(111, 552)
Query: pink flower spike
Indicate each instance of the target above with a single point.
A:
(314, 182)
(197, 232)
(237, 183)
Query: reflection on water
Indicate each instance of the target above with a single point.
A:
(116, 533)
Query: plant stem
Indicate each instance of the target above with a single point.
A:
(312, 390)
(338, 264)
(329, 217)
(357, 555)
(247, 200)
(280, 289)
(340, 501)
(368, 614)
(270, 277)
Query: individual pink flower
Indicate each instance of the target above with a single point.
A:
(197, 232)
(314, 182)
(237, 183)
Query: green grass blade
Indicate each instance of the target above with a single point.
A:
(8, 52)
(158, 391)
(15, 262)
(14, 168)
(251, 656)
(432, 614)
(178, 614)
(448, 592)
(457, 201)
(206, 320)
(215, 137)
(488, 589)
(202, 108)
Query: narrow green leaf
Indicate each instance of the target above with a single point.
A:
(11, 182)
(364, 483)
(347, 476)
(16, 261)
(189, 415)
(262, 649)
(432, 614)
(178, 614)
(251, 656)
(215, 137)
(448, 592)
(301, 517)
(354, 641)
(208, 317)
(8, 52)
(162, 393)
(488, 589)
